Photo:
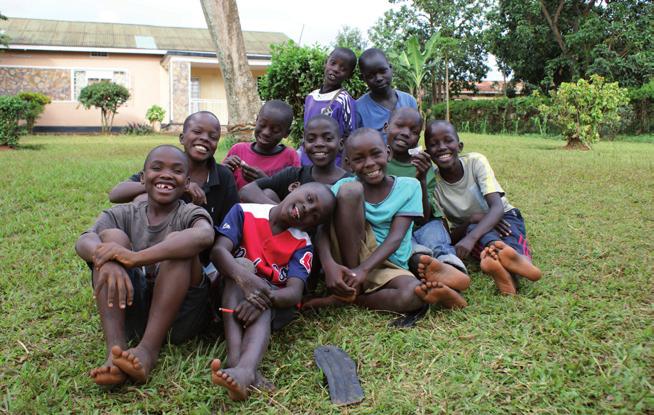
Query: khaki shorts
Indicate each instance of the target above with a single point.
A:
(379, 276)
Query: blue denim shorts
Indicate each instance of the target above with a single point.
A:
(518, 238)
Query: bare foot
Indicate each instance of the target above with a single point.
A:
(431, 269)
(135, 363)
(432, 292)
(320, 302)
(493, 267)
(108, 374)
(263, 383)
(516, 263)
(234, 380)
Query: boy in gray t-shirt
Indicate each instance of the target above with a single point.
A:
(147, 276)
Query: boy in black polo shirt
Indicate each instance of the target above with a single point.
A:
(212, 185)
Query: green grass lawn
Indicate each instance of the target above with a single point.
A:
(578, 341)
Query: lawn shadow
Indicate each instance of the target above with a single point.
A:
(31, 147)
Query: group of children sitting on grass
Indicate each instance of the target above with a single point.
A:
(361, 191)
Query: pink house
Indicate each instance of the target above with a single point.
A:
(173, 67)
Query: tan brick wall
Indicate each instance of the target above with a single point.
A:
(54, 83)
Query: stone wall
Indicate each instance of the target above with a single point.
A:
(54, 83)
(181, 72)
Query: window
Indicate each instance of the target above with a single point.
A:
(82, 78)
(99, 54)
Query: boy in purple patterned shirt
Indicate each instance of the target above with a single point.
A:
(331, 99)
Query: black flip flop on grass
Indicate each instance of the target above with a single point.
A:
(341, 374)
(409, 320)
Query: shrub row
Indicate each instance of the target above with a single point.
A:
(521, 115)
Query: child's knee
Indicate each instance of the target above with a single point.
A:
(350, 193)
(116, 236)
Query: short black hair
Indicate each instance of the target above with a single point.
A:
(438, 123)
(397, 111)
(149, 156)
(362, 131)
(322, 117)
(282, 108)
(347, 54)
(370, 53)
(188, 119)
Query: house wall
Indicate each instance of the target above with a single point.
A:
(51, 73)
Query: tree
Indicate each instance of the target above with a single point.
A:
(547, 42)
(458, 19)
(351, 38)
(581, 109)
(36, 103)
(243, 103)
(107, 96)
(4, 38)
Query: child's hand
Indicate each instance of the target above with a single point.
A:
(111, 251)
(335, 280)
(464, 247)
(422, 163)
(247, 313)
(356, 279)
(503, 227)
(251, 173)
(118, 284)
(197, 194)
(232, 162)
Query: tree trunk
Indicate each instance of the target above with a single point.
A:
(447, 91)
(242, 99)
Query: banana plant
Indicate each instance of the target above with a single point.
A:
(417, 62)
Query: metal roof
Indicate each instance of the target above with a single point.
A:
(117, 35)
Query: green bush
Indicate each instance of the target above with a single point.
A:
(12, 110)
(642, 106)
(137, 128)
(294, 72)
(155, 113)
(495, 116)
(583, 108)
(107, 96)
(36, 102)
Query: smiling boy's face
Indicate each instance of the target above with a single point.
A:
(270, 129)
(200, 137)
(403, 130)
(165, 175)
(321, 141)
(367, 156)
(308, 206)
(443, 145)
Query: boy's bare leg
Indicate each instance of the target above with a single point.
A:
(251, 343)
(170, 288)
(398, 295)
(350, 222)
(431, 269)
(491, 265)
(432, 292)
(516, 263)
(113, 321)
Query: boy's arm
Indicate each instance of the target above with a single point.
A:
(289, 295)
(221, 256)
(252, 193)
(399, 226)
(335, 273)
(86, 244)
(422, 163)
(126, 191)
(178, 245)
(488, 222)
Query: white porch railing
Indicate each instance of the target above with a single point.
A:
(217, 106)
